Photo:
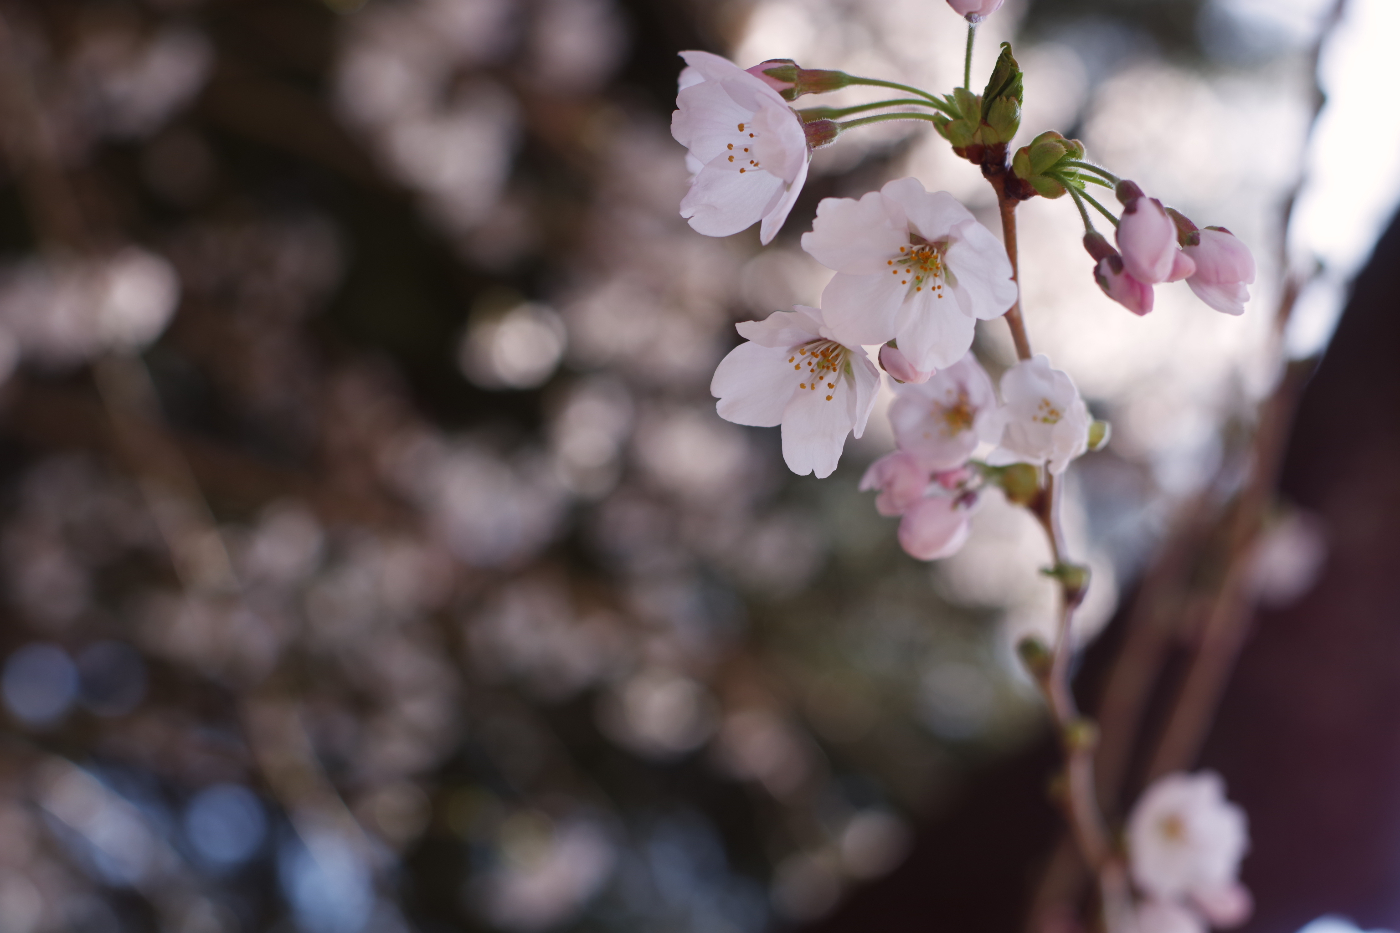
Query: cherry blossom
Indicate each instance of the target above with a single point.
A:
(901, 480)
(942, 420)
(1045, 420)
(1155, 916)
(910, 265)
(974, 11)
(791, 373)
(894, 362)
(748, 148)
(1147, 237)
(1122, 287)
(937, 526)
(1186, 840)
(1224, 267)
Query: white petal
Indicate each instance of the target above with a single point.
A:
(783, 329)
(1229, 298)
(723, 201)
(861, 310)
(753, 385)
(780, 144)
(855, 237)
(814, 430)
(867, 387)
(977, 260)
(932, 331)
(707, 120)
(777, 215)
(710, 66)
(932, 215)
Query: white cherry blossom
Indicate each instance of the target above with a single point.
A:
(910, 265)
(748, 148)
(791, 373)
(1185, 840)
(942, 420)
(1044, 419)
(1154, 916)
(901, 480)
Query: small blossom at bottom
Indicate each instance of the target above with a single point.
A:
(1185, 840)
(1226, 907)
(1044, 419)
(900, 479)
(1154, 916)
(942, 420)
(791, 374)
(937, 527)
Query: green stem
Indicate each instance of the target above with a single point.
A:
(876, 82)
(967, 58)
(1100, 208)
(883, 117)
(1089, 166)
(831, 113)
(1092, 180)
(1079, 203)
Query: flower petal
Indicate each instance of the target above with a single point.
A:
(861, 310)
(934, 528)
(933, 331)
(867, 386)
(722, 201)
(815, 429)
(854, 237)
(932, 215)
(778, 214)
(783, 329)
(981, 271)
(754, 385)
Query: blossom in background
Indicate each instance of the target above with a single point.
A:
(748, 148)
(1044, 419)
(1154, 916)
(900, 479)
(912, 266)
(791, 373)
(937, 527)
(1224, 266)
(894, 362)
(942, 420)
(1185, 843)
(974, 11)
(1122, 287)
(1147, 238)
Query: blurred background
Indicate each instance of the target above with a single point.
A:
(373, 558)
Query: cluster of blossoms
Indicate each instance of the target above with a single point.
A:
(1185, 844)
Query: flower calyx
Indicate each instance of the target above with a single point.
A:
(1036, 166)
(983, 126)
(820, 132)
(792, 80)
(1035, 654)
(1019, 482)
(1187, 233)
(1074, 580)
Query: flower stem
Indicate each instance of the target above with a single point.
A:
(885, 117)
(1079, 203)
(1099, 207)
(967, 58)
(1091, 167)
(1006, 206)
(831, 113)
(876, 82)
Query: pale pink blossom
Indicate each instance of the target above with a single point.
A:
(911, 265)
(1185, 840)
(897, 365)
(974, 11)
(936, 527)
(901, 480)
(942, 420)
(1117, 284)
(1224, 267)
(1226, 907)
(1147, 239)
(790, 373)
(776, 84)
(1044, 419)
(748, 148)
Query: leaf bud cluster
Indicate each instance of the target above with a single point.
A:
(1037, 163)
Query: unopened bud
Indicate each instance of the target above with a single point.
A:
(1098, 246)
(1001, 102)
(1045, 154)
(821, 133)
(792, 81)
(1187, 233)
(1099, 433)
(1035, 655)
(1074, 580)
(1127, 192)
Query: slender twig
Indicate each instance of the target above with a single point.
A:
(1091, 167)
(1099, 207)
(967, 58)
(933, 101)
(1006, 206)
(831, 113)
(1083, 212)
(886, 117)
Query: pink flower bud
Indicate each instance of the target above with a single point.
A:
(954, 478)
(935, 528)
(1147, 239)
(897, 365)
(974, 11)
(899, 478)
(782, 65)
(1183, 266)
(1224, 266)
(1122, 287)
